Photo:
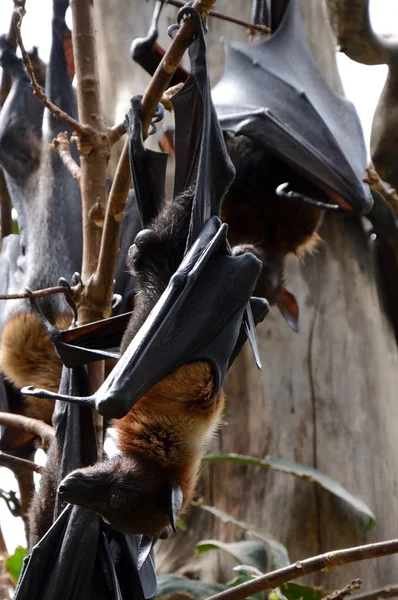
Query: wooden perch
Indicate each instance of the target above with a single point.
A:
(323, 562)
(213, 13)
(388, 591)
(352, 27)
(14, 462)
(38, 428)
(59, 289)
(61, 144)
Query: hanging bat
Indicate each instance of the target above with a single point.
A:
(47, 200)
(283, 124)
(193, 311)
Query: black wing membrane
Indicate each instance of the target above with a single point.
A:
(179, 329)
(79, 556)
(274, 93)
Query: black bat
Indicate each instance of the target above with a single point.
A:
(193, 311)
(47, 200)
(283, 125)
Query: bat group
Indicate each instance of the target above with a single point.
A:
(270, 141)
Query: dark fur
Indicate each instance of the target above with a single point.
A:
(164, 435)
(260, 221)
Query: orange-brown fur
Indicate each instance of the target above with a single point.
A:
(173, 422)
(28, 357)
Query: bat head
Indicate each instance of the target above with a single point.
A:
(132, 494)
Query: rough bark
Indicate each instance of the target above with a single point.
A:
(325, 397)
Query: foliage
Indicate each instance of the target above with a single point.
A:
(14, 563)
(303, 472)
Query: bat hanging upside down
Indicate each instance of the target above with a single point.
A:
(163, 437)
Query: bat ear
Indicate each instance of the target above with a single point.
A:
(289, 308)
(175, 505)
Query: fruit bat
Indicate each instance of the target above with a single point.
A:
(283, 125)
(193, 311)
(47, 200)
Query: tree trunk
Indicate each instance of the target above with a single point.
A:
(325, 398)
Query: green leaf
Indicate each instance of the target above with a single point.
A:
(248, 570)
(245, 553)
(174, 584)
(295, 591)
(181, 525)
(14, 562)
(303, 472)
(278, 555)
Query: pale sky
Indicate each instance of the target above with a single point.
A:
(362, 86)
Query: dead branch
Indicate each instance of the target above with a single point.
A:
(62, 146)
(351, 25)
(14, 462)
(122, 181)
(19, 13)
(347, 591)
(168, 94)
(323, 562)
(59, 289)
(214, 13)
(34, 426)
(377, 184)
(388, 591)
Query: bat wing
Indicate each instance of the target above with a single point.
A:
(273, 92)
(179, 329)
(80, 556)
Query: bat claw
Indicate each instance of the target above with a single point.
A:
(282, 192)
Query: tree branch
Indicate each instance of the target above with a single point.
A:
(14, 462)
(62, 146)
(213, 13)
(59, 289)
(388, 591)
(326, 561)
(347, 591)
(351, 25)
(38, 428)
(377, 184)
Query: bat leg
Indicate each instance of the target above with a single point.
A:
(141, 248)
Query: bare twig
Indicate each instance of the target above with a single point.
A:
(34, 426)
(61, 144)
(19, 13)
(323, 562)
(168, 94)
(213, 13)
(122, 181)
(347, 591)
(59, 289)
(14, 462)
(388, 591)
(377, 184)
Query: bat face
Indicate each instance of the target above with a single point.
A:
(131, 493)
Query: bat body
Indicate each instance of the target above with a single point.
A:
(269, 226)
(163, 437)
(48, 202)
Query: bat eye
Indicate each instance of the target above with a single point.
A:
(115, 501)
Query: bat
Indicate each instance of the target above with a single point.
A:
(48, 202)
(193, 311)
(283, 124)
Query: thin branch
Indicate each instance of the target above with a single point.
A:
(388, 591)
(122, 181)
(38, 428)
(213, 13)
(377, 184)
(59, 289)
(347, 591)
(168, 94)
(323, 562)
(38, 91)
(14, 462)
(61, 145)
